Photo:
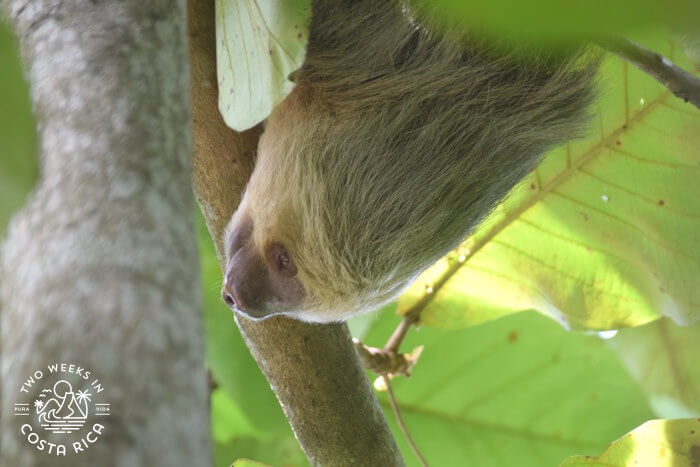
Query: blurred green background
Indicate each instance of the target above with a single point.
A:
(18, 146)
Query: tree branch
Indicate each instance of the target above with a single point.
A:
(681, 83)
(313, 369)
(100, 267)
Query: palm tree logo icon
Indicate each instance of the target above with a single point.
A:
(63, 411)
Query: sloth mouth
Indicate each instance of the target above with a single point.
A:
(253, 317)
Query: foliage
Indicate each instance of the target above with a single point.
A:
(520, 390)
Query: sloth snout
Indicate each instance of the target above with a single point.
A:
(228, 294)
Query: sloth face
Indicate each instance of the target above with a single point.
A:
(263, 277)
(260, 281)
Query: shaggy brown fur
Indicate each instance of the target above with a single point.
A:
(393, 146)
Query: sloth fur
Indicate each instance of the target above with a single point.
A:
(395, 143)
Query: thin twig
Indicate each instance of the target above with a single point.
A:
(394, 342)
(399, 420)
(412, 316)
(384, 362)
(680, 82)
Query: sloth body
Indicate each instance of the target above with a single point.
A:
(392, 147)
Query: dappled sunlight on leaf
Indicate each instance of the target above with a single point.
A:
(603, 235)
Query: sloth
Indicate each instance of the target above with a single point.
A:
(396, 141)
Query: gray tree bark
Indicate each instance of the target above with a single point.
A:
(100, 268)
(313, 369)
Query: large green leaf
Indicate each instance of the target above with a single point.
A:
(664, 360)
(518, 391)
(604, 234)
(258, 44)
(658, 443)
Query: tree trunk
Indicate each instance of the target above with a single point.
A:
(100, 268)
(313, 369)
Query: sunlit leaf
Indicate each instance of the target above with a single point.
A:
(258, 44)
(664, 359)
(658, 443)
(518, 391)
(604, 234)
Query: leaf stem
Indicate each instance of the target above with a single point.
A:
(680, 82)
(394, 342)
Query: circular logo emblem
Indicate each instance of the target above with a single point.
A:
(61, 409)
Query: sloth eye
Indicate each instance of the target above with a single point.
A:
(281, 261)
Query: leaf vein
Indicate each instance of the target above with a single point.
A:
(639, 196)
(632, 227)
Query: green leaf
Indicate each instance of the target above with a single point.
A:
(237, 437)
(658, 443)
(663, 358)
(248, 463)
(228, 420)
(603, 235)
(258, 44)
(279, 452)
(520, 390)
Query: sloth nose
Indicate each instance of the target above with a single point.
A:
(229, 295)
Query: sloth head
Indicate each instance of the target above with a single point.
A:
(324, 230)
